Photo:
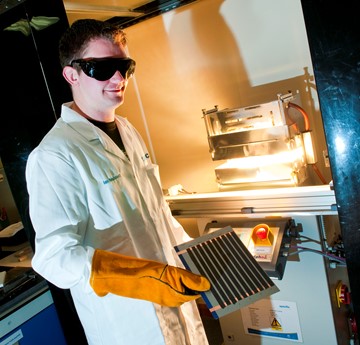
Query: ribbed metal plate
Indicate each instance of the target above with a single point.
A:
(236, 277)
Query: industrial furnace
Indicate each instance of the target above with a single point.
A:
(262, 144)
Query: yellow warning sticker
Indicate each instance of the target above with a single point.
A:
(275, 324)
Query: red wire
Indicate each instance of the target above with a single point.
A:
(303, 113)
(307, 128)
(316, 169)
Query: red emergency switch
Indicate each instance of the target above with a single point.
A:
(342, 294)
(262, 235)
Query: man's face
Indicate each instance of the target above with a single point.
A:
(96, 94)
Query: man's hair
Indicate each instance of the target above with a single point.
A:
(77, 37)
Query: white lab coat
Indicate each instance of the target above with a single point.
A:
(85, 194)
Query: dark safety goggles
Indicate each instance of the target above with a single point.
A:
(104, 68)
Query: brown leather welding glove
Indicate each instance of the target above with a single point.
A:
(144, 279)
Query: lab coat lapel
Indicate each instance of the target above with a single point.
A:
(90, 131)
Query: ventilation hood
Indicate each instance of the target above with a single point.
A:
(121, 12)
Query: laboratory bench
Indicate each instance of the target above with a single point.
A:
(27, 311)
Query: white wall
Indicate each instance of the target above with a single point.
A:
(230, 53)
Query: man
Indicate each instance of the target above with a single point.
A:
(103, 228)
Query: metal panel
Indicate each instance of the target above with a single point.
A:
(235, 276)
(313, 200)
(332, 30)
